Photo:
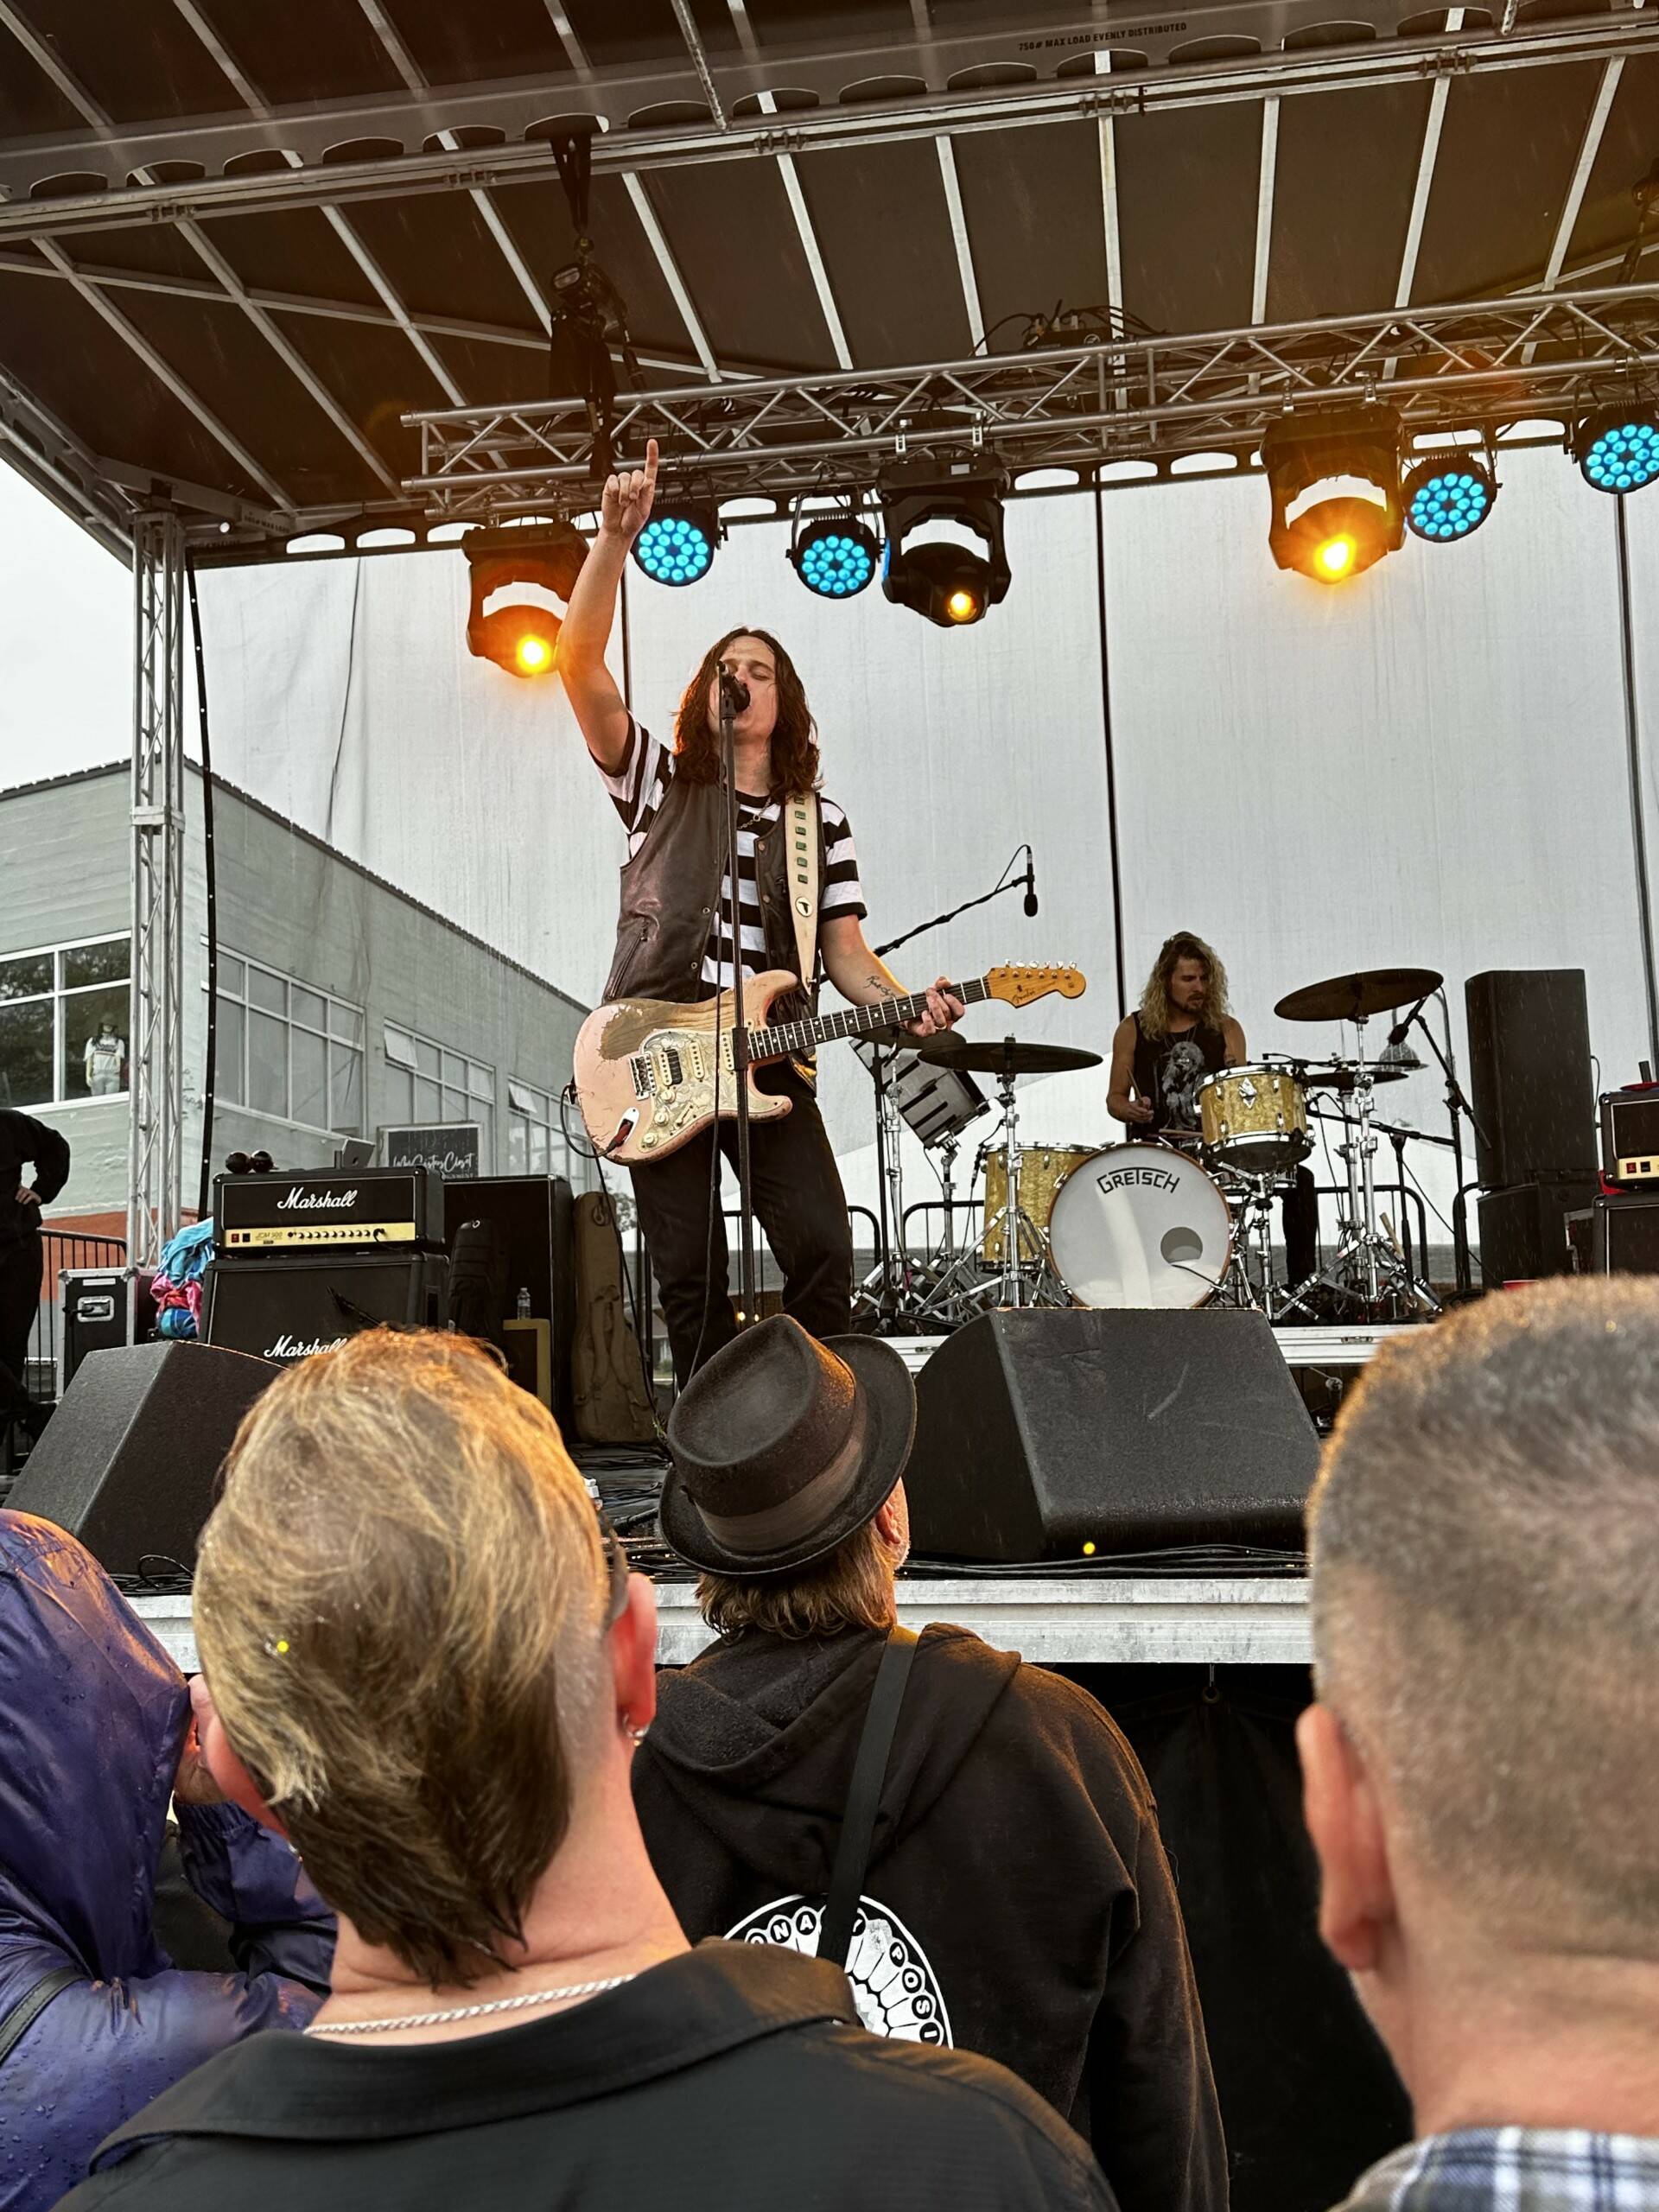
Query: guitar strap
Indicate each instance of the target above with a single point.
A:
(801, 834)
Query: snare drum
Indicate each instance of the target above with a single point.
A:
(1140, 1224)
(1043, 1168)
(1254, 1119)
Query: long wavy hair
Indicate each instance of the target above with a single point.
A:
(1156, 1006)
(794, 736)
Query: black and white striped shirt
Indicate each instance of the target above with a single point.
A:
(638, 788)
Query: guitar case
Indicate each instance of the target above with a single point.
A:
(612, 1406)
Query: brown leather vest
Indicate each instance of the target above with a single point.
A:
(670, 889)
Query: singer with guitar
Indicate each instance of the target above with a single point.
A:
(675, 937)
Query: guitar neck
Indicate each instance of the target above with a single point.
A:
(788, 1036)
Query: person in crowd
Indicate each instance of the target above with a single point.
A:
(96, 1732)
(1480, 1776)
(1018, 1899)
(23, 1141)
(430, 1662)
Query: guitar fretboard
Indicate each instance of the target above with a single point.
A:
(776, 1043)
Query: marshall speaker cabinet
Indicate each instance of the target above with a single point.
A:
(304, 1261)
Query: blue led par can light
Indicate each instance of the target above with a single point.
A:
(677, 546)
(836, 556)
(1447, 499)
(1619, 447)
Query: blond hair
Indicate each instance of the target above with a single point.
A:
(1155, 1004)
(399, 1605)
(853, 1588)
(1486, 1608)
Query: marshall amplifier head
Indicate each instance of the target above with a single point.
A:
(345, 1209)
(1630, 1137)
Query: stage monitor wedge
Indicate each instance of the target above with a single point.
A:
(1040, 1433)
(128, 1461)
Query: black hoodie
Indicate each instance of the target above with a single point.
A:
(1018, 1901)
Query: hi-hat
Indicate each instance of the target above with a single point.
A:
(1356, 998)
(1005, 1056)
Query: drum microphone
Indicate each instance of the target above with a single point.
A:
(1031, 885)
(734, 693)
(1402, 1030)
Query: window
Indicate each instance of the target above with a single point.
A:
(537, 1144)
(428, 1086)
(287, 1050)
(63, 1023)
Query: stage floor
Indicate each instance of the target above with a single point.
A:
(1078, 1621)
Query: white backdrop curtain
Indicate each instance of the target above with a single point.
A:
(1429, 766)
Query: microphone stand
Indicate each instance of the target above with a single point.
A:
(892, 1265)
(1457, 1106)
(739, 1029)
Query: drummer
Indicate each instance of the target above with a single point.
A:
(1182, 1030)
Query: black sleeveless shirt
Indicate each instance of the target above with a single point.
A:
(1168, 1071)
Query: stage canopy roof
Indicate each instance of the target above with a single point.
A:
(238, 244)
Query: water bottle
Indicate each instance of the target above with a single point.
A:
(523, 1304)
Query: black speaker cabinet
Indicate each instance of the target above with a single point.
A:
(532, 1217)
(287, 1307)
(1529, 1076)
(1049, 1435)
(129, 1460)
(1617, 1234)
(1523, 1230)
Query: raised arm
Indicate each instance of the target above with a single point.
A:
(589, 684)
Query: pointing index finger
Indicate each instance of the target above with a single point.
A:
(651, 464)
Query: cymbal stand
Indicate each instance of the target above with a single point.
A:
(1248, 1281)
(1367, 1270)
(1024, 1246)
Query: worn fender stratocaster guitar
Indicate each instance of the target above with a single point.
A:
(646, 1072)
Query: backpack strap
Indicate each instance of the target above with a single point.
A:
(803, 847)
(864, 1797)
(28, 2008)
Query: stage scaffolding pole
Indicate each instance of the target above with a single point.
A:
(155, 1059)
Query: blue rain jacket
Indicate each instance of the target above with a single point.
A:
(92, 1715)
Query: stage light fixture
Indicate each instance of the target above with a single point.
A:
(835, 555)
(1617, 448)
(944, 555)
(677, 546)
(521, 638)
(1446, 498)
(1322, 526)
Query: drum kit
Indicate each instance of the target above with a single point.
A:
(1181, 1218)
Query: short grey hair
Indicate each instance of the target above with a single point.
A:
(1485, 1539)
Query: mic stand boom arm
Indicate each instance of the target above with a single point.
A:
(1457, 1106)
(1008, 883)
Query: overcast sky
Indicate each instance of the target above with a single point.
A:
(66, 629)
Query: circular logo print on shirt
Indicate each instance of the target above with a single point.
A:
(895, 1985)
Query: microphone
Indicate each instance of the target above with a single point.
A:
(1031, 884)
(733, 692)
(1402, 1030)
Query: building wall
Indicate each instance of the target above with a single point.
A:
(289, 903)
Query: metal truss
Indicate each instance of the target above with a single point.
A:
(157, 1043)
(1493, 365)
(423, 134)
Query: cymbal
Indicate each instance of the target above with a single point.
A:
(969, 1056)
(1355, 998)
(1342, 1076)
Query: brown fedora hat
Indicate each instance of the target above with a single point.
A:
(782, 1447)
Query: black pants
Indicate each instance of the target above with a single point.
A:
(798, 1202)
(20, 1302)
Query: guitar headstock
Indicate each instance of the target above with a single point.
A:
(1019, 986)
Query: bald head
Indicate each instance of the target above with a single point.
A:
(1485, 1538)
